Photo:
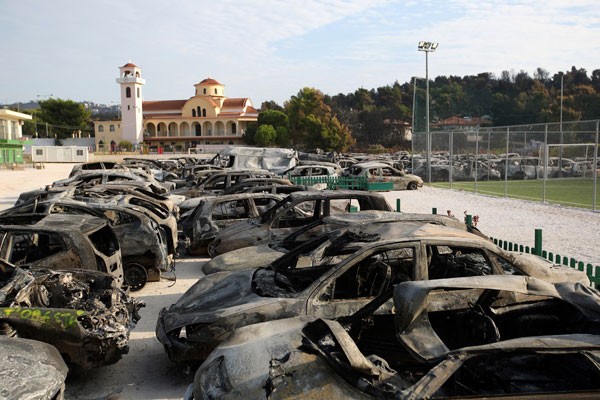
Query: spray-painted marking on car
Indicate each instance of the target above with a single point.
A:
(62, 317)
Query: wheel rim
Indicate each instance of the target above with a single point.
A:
(135, 276)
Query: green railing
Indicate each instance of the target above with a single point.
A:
(342, 182)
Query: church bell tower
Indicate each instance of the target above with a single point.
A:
(130, 79)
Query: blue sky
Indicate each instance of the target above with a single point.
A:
(269, 50)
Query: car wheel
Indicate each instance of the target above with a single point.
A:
(212, 249)
(412, 186)
(135, 276)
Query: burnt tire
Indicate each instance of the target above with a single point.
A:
(412, 186)
(135, 276)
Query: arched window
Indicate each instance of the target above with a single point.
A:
(233, 128)
(100, 128)
(204, 90)
(138, 92)
(193, 112)
(112, 128)
(198, 110)
(128, 92)
(215, 90)
(204, 112)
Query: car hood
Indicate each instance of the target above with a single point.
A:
(245, 258)
(213, 297)
(541, 268)
(239, 229)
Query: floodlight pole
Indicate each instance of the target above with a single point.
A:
(427, 47)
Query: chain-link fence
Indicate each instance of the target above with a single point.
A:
(552, 162)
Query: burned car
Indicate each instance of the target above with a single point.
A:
(61, 241)
(214, 213)
(84, 314)
(96, 165)
(92, 178)
(166, 202)
(374, 171)
(291, 213)
(30, 370)
(476, 338)
(362, 221)
(143, 242)
(350, 272)
(219, 181)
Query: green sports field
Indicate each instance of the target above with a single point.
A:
(572, 192)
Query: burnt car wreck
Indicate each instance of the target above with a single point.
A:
(84, 314)
(333, 276)
(469, 337)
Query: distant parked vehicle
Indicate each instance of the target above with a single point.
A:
(375, 171)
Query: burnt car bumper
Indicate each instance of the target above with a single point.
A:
(178, 347)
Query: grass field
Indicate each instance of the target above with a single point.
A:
(572, 192)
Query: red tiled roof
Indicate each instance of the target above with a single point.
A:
(461, 121)
(162, 105)
(234, 102)
(129, 64)
(209, 81)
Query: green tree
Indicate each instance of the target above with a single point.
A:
(250, 133)
(265, 135)
(283, 136)
(274, 118)
(65, 116)
(313, 124)
(270, 105)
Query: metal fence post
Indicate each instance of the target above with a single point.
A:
(595, 166)
(538, 242)
(398, 205)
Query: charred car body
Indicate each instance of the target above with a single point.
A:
(31, 370)
(381, 172)
(219, 181)
(84, 314)
(478, 337)
(291, 213)
(142, 241)
(351, 271)
(61, 241)
(213, 213)
(264, 254)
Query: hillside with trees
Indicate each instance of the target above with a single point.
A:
(379, 116)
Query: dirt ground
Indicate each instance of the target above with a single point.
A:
(146, 372)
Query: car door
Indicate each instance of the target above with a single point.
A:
(361, 278)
